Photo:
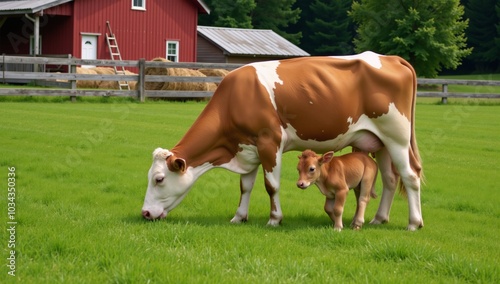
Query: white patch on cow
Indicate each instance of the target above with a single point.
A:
(369, 57)
(391, 122)
(244, 161)
(268, 77)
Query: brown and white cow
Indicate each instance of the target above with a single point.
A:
(334, 176)
(264, 109)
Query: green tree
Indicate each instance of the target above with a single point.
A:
(427, 33)
(277, 15)
(483, 33)
(332, 28)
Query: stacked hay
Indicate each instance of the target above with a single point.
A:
(86, 83)
(101, 84)
(177, 86)
(214, 73)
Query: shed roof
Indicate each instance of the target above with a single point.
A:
(235, 41)
(35, 6)
(28, 7)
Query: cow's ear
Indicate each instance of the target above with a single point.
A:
(179, 165)
(326, 158)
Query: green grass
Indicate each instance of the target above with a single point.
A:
(81, 178)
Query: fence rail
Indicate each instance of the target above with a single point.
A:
(69, 89)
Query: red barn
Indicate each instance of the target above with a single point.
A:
(143, 28)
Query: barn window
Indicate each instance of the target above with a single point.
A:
(139, 4)
(173, 51)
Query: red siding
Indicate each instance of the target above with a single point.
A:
(140, 34)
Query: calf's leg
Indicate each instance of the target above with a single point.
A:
(362, 198)
(335, 207)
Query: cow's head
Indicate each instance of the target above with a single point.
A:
(168, 184)
(309, 167)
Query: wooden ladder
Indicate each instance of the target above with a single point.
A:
(115, 55)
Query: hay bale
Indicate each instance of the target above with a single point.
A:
(177, 86)
(85, 83)
(214, 72)
(131, 84)
(187, 86)
(155, 71)
(105, 84)
(98, 84)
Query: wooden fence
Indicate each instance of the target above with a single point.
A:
(141, 93)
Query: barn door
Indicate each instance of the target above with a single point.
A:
(89, 48)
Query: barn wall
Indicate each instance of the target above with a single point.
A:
(140, 34)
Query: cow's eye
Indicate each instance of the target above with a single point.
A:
(312, 169)
(159, 179)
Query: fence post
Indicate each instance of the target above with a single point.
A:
(444, 99)
(73, 82)
(142, 77)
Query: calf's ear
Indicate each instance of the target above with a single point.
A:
(326, 158)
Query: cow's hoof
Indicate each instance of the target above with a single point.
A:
(356, 227)
(274, 222)
(378, 221)
(239, 219)
(414, 227)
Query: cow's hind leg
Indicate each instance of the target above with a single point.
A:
(411, 182)
(401, 159)
(389, 181)
(247, 182)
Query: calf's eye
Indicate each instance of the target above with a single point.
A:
(312, 169)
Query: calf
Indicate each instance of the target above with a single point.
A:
(334, 176)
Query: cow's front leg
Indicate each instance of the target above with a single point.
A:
(247, 182)
(272, 187)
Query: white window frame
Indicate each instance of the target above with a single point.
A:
(141, 6)
(170, 55)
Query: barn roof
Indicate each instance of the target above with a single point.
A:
(28, 7)
(34, 6)
(235, 41)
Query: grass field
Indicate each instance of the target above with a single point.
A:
(80, 180)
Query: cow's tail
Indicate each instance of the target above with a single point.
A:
(415, 159)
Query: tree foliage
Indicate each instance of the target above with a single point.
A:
(428, 33)
(332, 28)
(260, 14)
(483, 33)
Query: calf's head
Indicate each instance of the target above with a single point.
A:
(309, 167)
(168, 184)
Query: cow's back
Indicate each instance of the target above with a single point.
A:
(320, 94)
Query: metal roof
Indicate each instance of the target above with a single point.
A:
(28, 7)
(234, 41)
(34, 6)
